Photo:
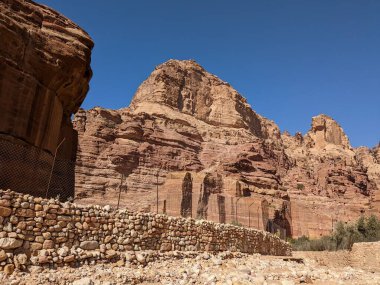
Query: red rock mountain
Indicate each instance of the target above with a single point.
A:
(193, 137)
(44, 76)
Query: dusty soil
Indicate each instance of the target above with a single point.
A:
(304, 267)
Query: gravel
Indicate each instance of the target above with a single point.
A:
(194, 268)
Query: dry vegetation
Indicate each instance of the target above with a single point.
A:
(343, 237)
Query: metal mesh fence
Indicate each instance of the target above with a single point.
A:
(28, 169)
(62, 183)
(274, 228)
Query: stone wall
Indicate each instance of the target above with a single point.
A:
(40, 231)
(363, 255)
(366, 255)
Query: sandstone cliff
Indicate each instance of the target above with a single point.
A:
(44, 76)
(182, 118)
(330, 181)
(193, 137)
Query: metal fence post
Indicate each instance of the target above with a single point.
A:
(249, 214)
(258, 217)
(157, 193)
(52, 167)
(236, 219)
(121, 183)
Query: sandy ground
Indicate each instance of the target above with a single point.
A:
(204, 268)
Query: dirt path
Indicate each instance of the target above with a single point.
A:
(305, 267)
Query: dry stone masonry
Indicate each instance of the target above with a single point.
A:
(46, 232)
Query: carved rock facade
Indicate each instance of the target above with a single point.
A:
(195, 139)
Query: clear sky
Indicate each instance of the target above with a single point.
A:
(291, 59)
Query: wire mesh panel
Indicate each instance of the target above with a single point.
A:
(27, 169)
(62, 183)
(24, 168)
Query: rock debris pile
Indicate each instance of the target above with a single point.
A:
(180, 268)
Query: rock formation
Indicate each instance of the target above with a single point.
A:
(194, 139)
(44, 76)
(330, 180)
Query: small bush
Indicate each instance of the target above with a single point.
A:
(236, 223)
(305, 244)
(343, 237)
(300, 186)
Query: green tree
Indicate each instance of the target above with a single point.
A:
(361, 226)
(343, 237)
(339, 235)
(373, 228)
(352, 236)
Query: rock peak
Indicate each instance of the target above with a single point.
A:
(182, 64)
(183, 87)
(325, 130)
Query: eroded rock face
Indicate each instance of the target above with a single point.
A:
(324, 131)
(44, 76)
(330, 178)
(165, 132)
(192, 135)
(185, 87)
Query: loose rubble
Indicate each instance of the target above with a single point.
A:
(172, 268)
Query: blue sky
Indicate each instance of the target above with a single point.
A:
(291, 59)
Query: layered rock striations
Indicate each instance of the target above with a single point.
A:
(330, 180)
(182, 119)
(194, 141)
(44, 77)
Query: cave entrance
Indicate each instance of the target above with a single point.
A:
(246, 192)
(187, 196)
(222, 208)
(279, 225)
(212, 184)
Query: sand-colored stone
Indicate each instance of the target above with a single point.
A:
(10, 243)
(3, 255)
(5, 211)
(9, 268)
(132, 232)
(366, 255)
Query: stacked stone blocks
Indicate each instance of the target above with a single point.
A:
(41, 231)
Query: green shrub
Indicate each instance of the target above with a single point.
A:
(300, 186)
(305, 244)
(372, 229)
(343, 237)
(236, 223)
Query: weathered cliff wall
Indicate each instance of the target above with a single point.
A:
(44, 76)
(182, 120)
